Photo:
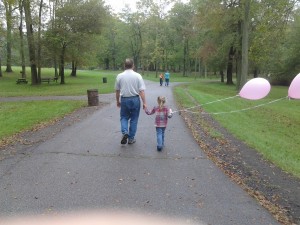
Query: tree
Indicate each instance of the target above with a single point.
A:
(73, 22)
(133, 23)
(9, 21)
(112, 46)
(156, 42)
(268, 26)
(221, 32)
(39, 45)
(181, 21)
(1, 46)
(245, 45)
(290, 63)
(31, 41)
(23, 72)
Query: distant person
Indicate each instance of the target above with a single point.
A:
(130, 87)
(162, 113)
(161, 79)
(167, 78)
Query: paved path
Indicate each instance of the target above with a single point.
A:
(85, 167)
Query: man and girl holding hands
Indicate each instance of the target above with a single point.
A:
(130, 88)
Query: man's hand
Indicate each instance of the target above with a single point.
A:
(142, 95)
(118, 104)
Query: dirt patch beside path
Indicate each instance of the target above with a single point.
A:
(276, 190)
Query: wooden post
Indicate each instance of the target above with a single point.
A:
(93, 97)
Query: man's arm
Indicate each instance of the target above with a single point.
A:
(142, 94)
(118, 98)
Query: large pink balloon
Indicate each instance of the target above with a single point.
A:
(294, 89)
(255, 88)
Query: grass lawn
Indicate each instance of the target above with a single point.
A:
(85, 79)
(73, 85)
(272, 129)
(20, 116)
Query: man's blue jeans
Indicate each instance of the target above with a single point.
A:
(129, 113)
(160, 136)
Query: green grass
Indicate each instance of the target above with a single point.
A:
(85, 79)
(20, 116)
(273, 129)
(73, 85)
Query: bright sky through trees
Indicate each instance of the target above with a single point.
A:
(118, 5)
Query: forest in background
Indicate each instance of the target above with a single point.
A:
(245, 38)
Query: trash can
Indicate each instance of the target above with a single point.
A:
(104, 80)
(93, 97)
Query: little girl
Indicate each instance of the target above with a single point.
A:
(161, 119)
(161, 79)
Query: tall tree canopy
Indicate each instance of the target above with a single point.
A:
(232, 36)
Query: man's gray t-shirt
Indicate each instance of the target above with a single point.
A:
(129, 83)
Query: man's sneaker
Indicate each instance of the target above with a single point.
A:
(124, 139)
(131, 141)
(159, 148)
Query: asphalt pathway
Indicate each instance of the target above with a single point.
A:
(85, 167)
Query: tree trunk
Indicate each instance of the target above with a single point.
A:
(238, 68)
(136, 45)
(31, 43)
(222, 76)
(39, 45)
(74, 69)
(114, 63)
(185, 57)
(135, 61)
(245, 45)
(230, 66)
(199, 67)
(0, 67)
(62, 64)
(8, 8)
(106, 63)
(22, 40)
(238, 56)
(55, 67)
(195, 68)
(188, 58)
(255, 72)
(114, 50)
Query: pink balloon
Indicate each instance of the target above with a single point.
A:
(255, 88)
(294, 89)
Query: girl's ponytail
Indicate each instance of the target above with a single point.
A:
(161, 101)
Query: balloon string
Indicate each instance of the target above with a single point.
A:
(219, 100)
(240, 110)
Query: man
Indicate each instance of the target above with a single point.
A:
(130, 87)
